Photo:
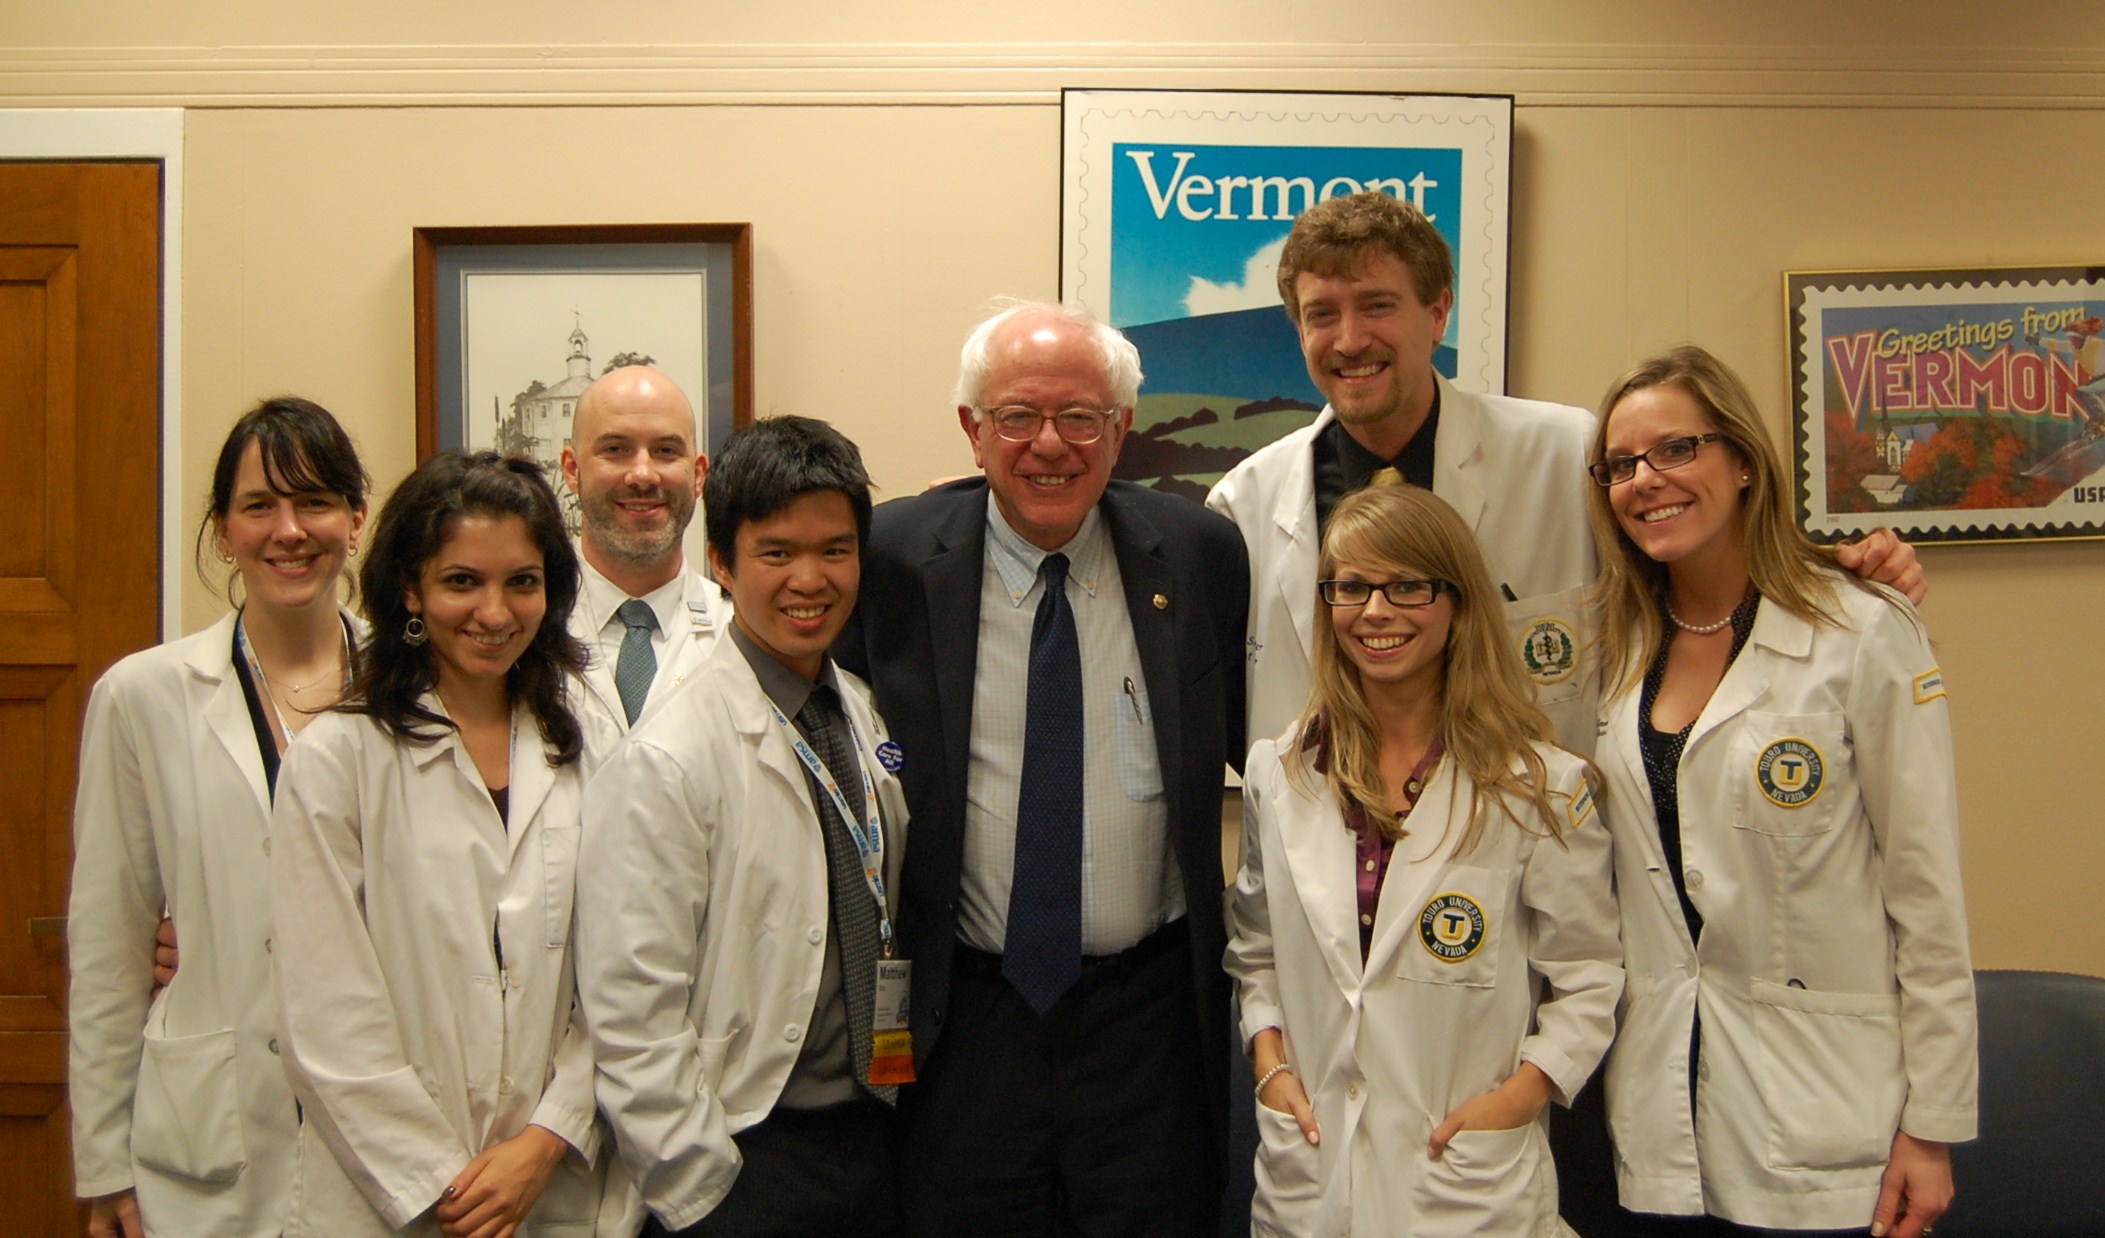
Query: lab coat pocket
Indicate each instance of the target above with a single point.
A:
(569, 1205)
(1830, 1074)
(1487, 1182)
(1453, 936)
(1139, 767)
(186, 1118)
(1794, 776)
(1289, 1184)
(559, 872)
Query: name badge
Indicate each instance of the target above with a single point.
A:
(891, 1044)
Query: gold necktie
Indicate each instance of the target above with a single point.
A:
(1385, 476)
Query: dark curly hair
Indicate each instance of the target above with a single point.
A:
(393, 675)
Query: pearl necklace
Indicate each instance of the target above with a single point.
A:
(1700, 629)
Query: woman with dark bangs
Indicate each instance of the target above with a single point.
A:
(424, 852)
(182, 1119)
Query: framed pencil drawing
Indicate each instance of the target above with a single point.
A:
(513, 323)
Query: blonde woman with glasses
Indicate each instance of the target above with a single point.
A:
(1797, 1048)
(1423, 926)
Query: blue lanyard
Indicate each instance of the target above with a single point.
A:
(869, 838)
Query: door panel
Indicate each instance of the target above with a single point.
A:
(80, 362)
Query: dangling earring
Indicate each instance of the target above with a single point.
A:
(224, 557)
(354, 550)
(413, 632)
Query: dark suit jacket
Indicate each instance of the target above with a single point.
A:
(915, 637)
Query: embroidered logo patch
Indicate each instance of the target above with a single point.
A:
(1451, 927)
(1549, 649)
(1789, 772)
(1929, 685)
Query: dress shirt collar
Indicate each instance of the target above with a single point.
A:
(601, 597)
(1016, 560)
(1414, 462)
(787, 689)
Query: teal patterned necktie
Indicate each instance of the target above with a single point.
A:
(638, 663)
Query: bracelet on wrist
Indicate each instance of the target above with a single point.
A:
(1266, 1077)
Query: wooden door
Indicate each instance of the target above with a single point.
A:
(80, 400)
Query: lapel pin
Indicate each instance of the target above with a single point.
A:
(1161, 602)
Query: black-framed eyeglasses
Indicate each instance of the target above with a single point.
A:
(1670, 453)
(1077, 423)
(1398, 592)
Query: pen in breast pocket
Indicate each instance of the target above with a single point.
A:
(1133, 699)
(1507, 590)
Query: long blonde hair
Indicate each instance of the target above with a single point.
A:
(1785, 565)
(1489, 720)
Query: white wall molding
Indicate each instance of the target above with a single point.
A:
(1543, 75)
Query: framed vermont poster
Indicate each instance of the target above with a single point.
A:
(1949, 405)
(1175, 206)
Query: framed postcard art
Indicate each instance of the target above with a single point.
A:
(1175, 206)
(1949, 405)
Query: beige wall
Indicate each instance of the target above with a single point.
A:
(901, 163)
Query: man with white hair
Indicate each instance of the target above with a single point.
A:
(1060, 658)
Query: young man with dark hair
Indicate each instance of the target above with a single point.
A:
(735, 884)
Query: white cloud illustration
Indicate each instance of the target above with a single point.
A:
(1259, 287)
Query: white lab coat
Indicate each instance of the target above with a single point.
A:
(1834, 980)
(1388, 1048)
(409, 1046)
(702, 912)
(181, 1099)
(708, 619)
(1515, 470)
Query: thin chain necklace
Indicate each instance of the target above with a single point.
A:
(341, 670)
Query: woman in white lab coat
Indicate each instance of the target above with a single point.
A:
(1797, 1046)
(425, 844)
(1423, 927)
(182, 1120)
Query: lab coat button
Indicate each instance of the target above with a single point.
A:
(274, 1044)
(1695, 879)
(1703, 1071)
(792, 1033)
(815, 935)
(505, 1085)
(266, 945)
(1352, 1091)
(1366, 919)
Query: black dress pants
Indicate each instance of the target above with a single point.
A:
(1091, 1121)
(824, 1173)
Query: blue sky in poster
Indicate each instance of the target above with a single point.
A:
(1196, 229)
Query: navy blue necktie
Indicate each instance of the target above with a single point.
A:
(1042, 956)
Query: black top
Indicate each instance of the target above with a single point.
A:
(1662, 753)
(1343, 466)
(266, 743)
